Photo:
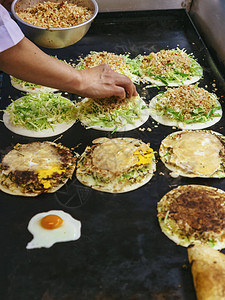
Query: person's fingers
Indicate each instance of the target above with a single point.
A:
(119, 92)
(124, 82)
(130, 90)
(119, 80)
(106, 83)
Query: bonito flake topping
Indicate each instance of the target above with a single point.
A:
(187, 99)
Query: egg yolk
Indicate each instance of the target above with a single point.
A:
(51, 222)
(44, 175)
(144, 157)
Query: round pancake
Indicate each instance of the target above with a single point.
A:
(167, 121)
(30, 89)
(172, 67)
(56, 130)
(18, 192)
(192, 214)
(35, 168)
(155, 82)
(111, 188)
(120, 63)
(198, 153)
(116, 165)
(40, 115)
(121, 125)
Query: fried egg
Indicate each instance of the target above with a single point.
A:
(52, 227)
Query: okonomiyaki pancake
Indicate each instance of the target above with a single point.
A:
(193, 214)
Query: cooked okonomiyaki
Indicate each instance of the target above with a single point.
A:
(35, 168)
(193, 214)
(116, 165)
(194, 153)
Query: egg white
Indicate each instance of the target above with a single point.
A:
(70, 230)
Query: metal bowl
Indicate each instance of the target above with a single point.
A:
(54, 37)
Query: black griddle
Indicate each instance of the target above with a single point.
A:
(122, 253)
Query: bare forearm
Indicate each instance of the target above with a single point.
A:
(27, 62)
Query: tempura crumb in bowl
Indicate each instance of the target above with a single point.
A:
(54, 23)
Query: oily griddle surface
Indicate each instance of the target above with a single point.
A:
(122, 253)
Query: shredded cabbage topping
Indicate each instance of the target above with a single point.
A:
(26, 84)
(39, 111)
(91, 113)
(119, 63)
(188, 104)
(168, 66)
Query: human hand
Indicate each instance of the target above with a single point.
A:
(103, 82)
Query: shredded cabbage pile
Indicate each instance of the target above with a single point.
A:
(92, 114)
(39, 111)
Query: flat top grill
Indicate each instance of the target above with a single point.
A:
(122, 253)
